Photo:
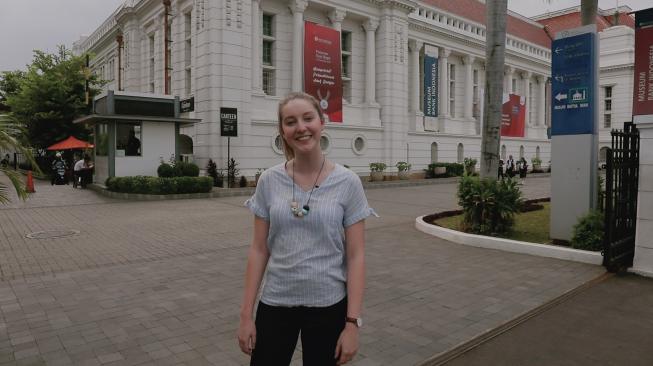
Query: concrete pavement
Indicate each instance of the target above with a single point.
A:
(159, 283)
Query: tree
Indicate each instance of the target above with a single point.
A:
(9, 85)
(10, 133)
(49, 96)
(496, 12)
(588, 10)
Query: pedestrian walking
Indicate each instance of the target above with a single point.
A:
(500, 169)
(309, 222)
(510, 167)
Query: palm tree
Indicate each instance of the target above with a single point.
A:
(10, 131)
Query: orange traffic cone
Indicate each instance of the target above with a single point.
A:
(30, 182)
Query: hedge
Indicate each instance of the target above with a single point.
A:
(453, 169)
(157, 185)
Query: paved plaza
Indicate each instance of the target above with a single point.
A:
(160, 283)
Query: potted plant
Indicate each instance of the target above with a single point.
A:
(377, 170)
(404, 169)
(470, 166)
(537, 164)
(257, 176)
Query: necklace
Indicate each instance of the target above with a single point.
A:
(294, 207)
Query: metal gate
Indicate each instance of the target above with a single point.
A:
(622, 175)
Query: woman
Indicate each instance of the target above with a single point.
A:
(309, 231)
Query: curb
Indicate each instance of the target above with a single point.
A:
(509, 245)
(464, 347)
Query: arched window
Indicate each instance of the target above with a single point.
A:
(521, 151)
(537, 152)
(461, 153)
(503, 152)
(434, 152)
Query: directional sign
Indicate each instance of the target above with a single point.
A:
(573, 87)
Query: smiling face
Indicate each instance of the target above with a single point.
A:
(300, 126)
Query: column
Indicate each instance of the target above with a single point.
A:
(256, 47)
(370, 60)
(415, 47)
(508, 80)
(469, 87)
(541, 99)
(297, 7)
(336, 16)
(526, 75)
(444, 82)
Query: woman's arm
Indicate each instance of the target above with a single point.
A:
(355, 241)
(257, 259)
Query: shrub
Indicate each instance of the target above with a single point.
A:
(165, 170)
(588, 232)
(470, 165)
(377, 167)
(453, 169)
(159, 185)
(215, 173)
(232, 173)
(488, 205)
(403, 166)
(243, 181)
(184, 169)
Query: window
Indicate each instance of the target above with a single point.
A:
(503, 152)
(128, 139)
(537, 152)
(514, 86)
(151, 62)
(476, 108)
(268, 54)
(452, 90)
(345, 44)
(461, 153)
(111, 74)
(607, 107)
(188, 46)
(521, 151)
(168, 48)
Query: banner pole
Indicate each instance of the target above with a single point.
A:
(229, 171)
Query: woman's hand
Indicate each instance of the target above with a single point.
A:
(247, 335)
(347, 345)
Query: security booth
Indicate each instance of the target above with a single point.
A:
(133, 132)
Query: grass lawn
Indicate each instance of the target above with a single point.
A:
(529, 226)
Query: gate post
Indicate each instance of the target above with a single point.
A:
(643, 261)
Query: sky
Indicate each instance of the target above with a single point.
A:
(26, 25)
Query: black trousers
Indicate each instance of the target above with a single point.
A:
(277, 330)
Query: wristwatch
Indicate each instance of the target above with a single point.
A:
(357, 321)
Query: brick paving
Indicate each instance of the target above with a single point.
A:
(159, 283)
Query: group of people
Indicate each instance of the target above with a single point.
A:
(82, 170)
(511, 168)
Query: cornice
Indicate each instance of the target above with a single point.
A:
(407, 5)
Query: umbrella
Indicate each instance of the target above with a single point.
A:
(71, 143)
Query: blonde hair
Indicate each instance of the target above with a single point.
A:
(287, 150)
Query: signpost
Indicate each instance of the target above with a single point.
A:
(229, 128)
(574, 115)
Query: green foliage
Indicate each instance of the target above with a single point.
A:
(159, 185)
(183, 169)
(536, 161)
(243, 181)
(403, 166)
(11, 132)
(213, 172)
(165, 170)
(232, 173)
(489, 205)
(49, 96)
(377, 167)
(453, 169)
(588, 232)
(470, 165)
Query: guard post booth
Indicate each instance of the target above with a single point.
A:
(133, 132)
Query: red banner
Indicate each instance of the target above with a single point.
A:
(322, 77)
(643, 91)
(513, 115)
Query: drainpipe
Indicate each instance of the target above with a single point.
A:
(120, 46)
(166, 46)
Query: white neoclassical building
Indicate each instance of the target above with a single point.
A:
(247, 54)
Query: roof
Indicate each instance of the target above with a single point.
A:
(474, 10)
(571, 19)
(99, 118)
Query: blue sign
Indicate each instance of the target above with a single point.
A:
(573, 89)
(430, 86)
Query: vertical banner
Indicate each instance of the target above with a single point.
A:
(322, 77)
(643, 85)
(430, 86)
(513, 116)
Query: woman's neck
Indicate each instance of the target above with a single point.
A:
(308, 163)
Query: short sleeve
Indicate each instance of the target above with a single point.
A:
(258, 203)
(356, 206)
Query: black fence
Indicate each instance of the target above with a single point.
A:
(620, 201)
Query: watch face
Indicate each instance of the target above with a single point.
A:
(359, 322)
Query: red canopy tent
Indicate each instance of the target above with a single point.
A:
(71, 143)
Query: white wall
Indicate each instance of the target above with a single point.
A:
(157, 142)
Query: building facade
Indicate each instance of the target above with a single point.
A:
(247, 54)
